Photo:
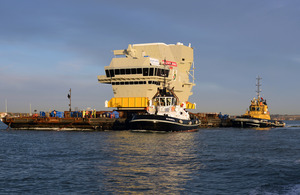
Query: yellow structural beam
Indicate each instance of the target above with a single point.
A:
(128, 102)
(190, 105)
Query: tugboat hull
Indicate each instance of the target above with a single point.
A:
(162, 123)
(255, 122)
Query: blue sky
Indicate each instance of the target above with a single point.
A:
(48, 47)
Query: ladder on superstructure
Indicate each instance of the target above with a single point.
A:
(193, 72)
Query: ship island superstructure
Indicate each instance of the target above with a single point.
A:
(135, 74)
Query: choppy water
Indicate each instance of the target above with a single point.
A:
(210, 161)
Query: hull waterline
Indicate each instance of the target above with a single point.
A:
(255, 122)
(162, 123)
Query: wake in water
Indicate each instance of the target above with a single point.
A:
(293, 126)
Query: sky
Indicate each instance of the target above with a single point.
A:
(48, 47)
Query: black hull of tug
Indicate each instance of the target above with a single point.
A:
(162, 123)
(256, 123)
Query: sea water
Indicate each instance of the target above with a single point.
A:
(210, 161)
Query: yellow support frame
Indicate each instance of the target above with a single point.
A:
(128, 102)
(190, 105)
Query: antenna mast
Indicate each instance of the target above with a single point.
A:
(69, 96)
(258, 87)
(165, 73)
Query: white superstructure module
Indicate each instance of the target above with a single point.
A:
(135, 73)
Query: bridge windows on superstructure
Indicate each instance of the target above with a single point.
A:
(145, 71)
(107, 73)
(136, 83)
(151, 72)
(133, 71)
(158, 72)
(138, 71)
(165, 72)
(122, 71)
(112, 73)
(154, 82)
(162, 72)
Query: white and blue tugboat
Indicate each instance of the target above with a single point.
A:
(165, 114)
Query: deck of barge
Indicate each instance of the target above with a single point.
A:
(51, 123)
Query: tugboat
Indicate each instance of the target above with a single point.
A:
(165, 114)
(258, 115)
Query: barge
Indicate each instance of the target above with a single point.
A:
(54, 123)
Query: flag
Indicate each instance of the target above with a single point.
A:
(69, 96)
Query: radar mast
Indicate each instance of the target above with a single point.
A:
(258, 87)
